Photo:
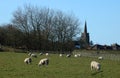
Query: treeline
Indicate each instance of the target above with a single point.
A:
(35, 28)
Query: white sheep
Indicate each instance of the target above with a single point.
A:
(29, 54)
(100, 58)
(60, 55)
(47, 54)
(75, 55)
(41, 53)
(44, 61)
(28, 60)
(33, 55)
(79, 55)
(95, 65)
(68, 55)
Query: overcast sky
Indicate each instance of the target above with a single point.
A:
(102, 16)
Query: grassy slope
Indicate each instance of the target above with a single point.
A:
(12, 66)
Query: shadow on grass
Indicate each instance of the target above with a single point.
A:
(96, 72)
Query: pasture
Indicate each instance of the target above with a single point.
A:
(12, 66)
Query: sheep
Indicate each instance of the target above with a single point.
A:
(95, 65)
(79, 55)
(29, 54)
(33, 55)
(100, 58)
(28, 60)
(68, 55)
(75, 55)
(44, 61)
(41, 53)
(47, 54)
(60, 55)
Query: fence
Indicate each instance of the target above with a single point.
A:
(96, 54)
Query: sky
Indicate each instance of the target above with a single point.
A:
(102, 16)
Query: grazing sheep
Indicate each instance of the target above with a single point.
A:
(75, 55)
(28, 60)
(68, 55)
(33, 55)
(100, 58)
(79, 55)
(41, 53)
(44, 61)
(47, 54)
(61, 55)
(95, 65)
(29, 54)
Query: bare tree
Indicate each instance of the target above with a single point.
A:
(66, 27)
(45, 28)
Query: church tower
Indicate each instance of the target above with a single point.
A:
(85, 37)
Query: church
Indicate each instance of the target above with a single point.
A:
(86, 44)
(85, 38)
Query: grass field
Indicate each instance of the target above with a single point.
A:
(12, 66)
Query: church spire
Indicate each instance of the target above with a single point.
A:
(85, 29)
(85, 37)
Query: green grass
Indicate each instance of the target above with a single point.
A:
(12, 66)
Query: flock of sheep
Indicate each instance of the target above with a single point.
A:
(45, 61)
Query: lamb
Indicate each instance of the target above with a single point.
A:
(44, 61)
(95, 65)
(28, 60)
